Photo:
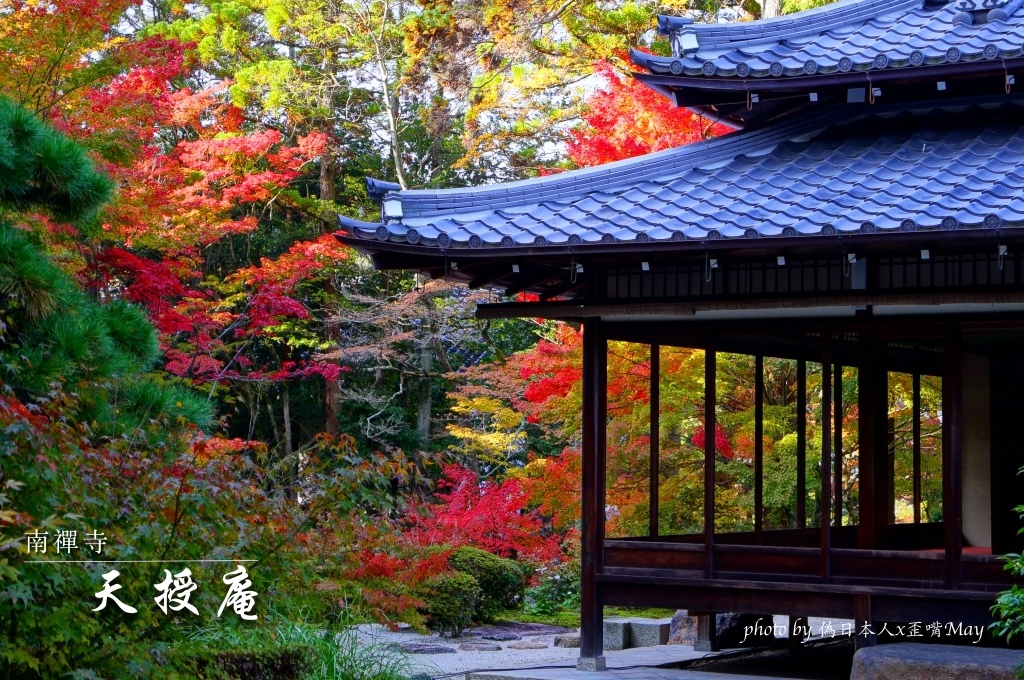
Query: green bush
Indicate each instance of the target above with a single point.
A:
(450, 601)
(501, 581)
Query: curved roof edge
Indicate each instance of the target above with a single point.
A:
(848, 37)
(809, 21)
(350, 224)
(916, 171)
(421, 202)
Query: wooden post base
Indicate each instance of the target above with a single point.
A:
(707, 633)
(591, 663)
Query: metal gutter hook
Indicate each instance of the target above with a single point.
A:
(709, 264)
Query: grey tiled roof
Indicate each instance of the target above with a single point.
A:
(885, 173)
(858, 35)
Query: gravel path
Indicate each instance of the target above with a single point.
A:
(454, 666)
(456, 663)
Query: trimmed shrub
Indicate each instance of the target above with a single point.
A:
(501, 581)
(450, 601)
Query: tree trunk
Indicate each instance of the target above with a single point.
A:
(291, 492)
(328, 175)
(286, 406)
(771, 9)
(424, 407)
(328, 192)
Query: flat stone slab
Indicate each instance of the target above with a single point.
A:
(915, 661)
(425, 648)
(500, 636)
(479, 647)
(568, 640)
(520, 629)
(527, 644)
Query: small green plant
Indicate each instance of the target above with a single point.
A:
(450, 601)
(295, 644)
(1009, 606)
(558, 590)
(501, 581)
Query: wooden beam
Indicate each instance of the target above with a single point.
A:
(655, 438)
(567, 286)
(952, 453)
(595, 360)
(710, 368)
(759, 445)
(534, 277)
(801, 444)
(490, 275)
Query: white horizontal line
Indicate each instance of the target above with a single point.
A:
(126, 561)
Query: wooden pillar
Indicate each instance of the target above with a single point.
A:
(801, 444)
(710, 377)
(655, 439)
(826, 453)
(863, 623)
(917, 448)
(888, 482)
(837, 448)
(759, 447)
(873, 406)
(595, 378)
(952, 453)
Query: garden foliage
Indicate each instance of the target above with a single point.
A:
(451, 599)
(501, 581)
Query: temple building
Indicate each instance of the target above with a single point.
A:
(853, 252)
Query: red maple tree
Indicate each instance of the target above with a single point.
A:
(625, 118)
(489, 515)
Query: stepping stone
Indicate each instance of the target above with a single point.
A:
(425, 648)
(501, 636)
(527, 644)
(915, 661)
(479, 647)
(569, 640)
(616, 634)
(649, 632)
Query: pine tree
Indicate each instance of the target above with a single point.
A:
(50, 330)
